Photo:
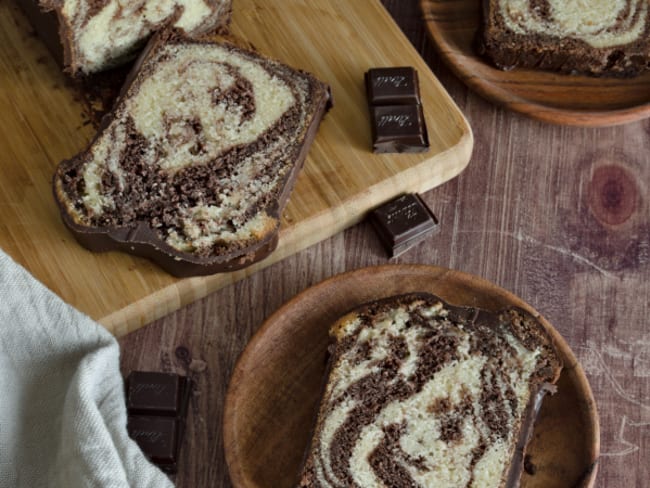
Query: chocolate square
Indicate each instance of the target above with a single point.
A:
(392, 86)
(403, 222)
(153, 392)
(157, 406)
(398, 129)
(158, 438)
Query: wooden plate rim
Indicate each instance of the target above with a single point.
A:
(238, 476)
(493, 91)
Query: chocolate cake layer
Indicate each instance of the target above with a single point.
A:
(94, 35)
(597, 37)
(421, 393)
(196, 162)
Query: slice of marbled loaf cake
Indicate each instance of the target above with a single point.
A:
(424, 394)
(99, 34)
(595, 37)
(196, 162)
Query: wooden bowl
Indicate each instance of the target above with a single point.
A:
(275, 389)
(546, 96)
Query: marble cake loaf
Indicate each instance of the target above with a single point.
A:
(424, 394)
(89, 36)
(594, 37)
(196, 162)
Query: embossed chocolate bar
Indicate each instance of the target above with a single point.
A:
(398, 129)
(157, 407)
(403, 222)
(392, 86)
(396, 116)
(158, 437)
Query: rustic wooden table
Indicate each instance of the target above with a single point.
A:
(558, 215)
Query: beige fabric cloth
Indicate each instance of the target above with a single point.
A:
(62, 410)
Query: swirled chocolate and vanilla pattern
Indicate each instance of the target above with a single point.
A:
(596, 37)
(423, 394)
(201, 148)
(599, 23)
(103, 33)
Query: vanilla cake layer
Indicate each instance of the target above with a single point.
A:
(198, 156)
(100, 34)
(583, 36)
(424, 394)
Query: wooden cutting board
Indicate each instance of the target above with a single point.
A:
(338, 40)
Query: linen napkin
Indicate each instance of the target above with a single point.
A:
(62, 408)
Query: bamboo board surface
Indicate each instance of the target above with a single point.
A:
(42, 123)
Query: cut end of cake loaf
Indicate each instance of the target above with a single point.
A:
(99, 34)
(421, 393)
(594, 37)
(196, 162)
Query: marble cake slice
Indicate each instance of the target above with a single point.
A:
(594, 37)
(196, 162)
(424, 394)
(89, 36)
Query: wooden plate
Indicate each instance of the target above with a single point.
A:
(559, 99)
(275, 389)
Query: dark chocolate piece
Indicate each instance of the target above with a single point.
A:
(403, 222)
(396, 116)
(392, 86)
(158, 437)
(398, 129)
(157, 393)
(157, 406)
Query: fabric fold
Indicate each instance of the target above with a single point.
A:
(62, 409)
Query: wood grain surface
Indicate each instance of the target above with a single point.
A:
(558, 215)
(562, 99)
(276, 387)
(341, 179)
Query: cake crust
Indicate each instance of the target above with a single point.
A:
(380, 412)
(132, 229)
(538, 34)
